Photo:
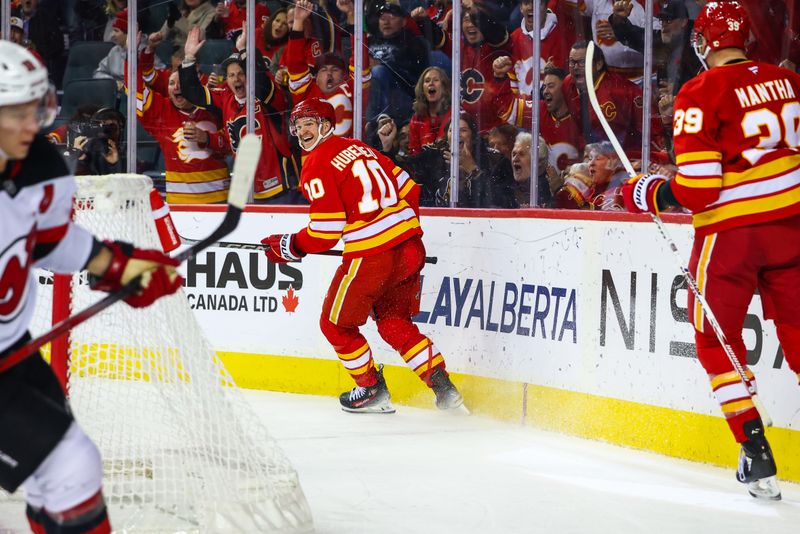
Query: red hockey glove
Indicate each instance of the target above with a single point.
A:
(157, 269)
(639, 193)
(282, 248)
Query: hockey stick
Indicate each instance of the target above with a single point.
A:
(690, 281)
(244, 170)
(259, 246)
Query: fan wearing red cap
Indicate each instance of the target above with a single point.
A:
(362, 197)
(737, 146)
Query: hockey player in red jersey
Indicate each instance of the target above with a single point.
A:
(739, 174)
(360, 196)
(42, 448)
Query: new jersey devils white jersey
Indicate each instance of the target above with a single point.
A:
(35, 231)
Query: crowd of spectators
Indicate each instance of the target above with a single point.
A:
(194, 110)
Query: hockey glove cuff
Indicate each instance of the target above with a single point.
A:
(127, 262)
(640, 193)
(282, 248)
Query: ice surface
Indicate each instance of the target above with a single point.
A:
(424, 471)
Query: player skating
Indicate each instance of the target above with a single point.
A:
(42, 448)
(359, 195)
(736, 144)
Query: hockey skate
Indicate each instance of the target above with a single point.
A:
(447, 396)
(372, 399)
(757, 465)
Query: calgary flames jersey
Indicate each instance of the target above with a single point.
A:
(271, 173)
(736, 131)
(553, 47)
(622, 104)
(476, 88)
(302, 84)
(358, 195)
(562, 135)
(194, 175)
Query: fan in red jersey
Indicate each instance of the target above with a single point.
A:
(556, 126)
(330, 80)
(484, 38)
(554, 47)
(620, 99)
(276, 168)
(360, 196)
(739, 174)
(194, 149)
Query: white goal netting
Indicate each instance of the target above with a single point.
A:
(182, 450)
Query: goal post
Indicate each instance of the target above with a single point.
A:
(182, 449)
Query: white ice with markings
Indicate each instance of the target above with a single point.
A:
(423, 471)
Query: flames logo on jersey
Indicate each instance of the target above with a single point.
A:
(189, 151)
(472, 86)
(237, 128)
(343, 109)
(609, 110)
(15, 263)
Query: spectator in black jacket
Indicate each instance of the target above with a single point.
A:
(43, 27)
(398, 59)
(485, 177)
(675, 60)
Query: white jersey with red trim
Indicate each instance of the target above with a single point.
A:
(36, 230)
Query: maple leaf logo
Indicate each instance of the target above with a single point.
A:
(290, 300)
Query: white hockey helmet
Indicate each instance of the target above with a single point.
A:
(23, 79)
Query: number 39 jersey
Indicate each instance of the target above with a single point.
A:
(736, 132)
(358, 195)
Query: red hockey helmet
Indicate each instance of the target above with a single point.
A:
(313, 108)
(316, 108)
(723, 25)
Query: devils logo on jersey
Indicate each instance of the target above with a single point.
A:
(15, 262)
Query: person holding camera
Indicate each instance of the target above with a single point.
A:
(95, 143)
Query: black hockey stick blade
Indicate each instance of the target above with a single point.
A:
(260, 246)
(244, 169)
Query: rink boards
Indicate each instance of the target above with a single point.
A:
(576, 325)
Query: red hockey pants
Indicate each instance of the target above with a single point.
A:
(729, 266)
(386, 285)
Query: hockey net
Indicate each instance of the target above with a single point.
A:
(182, 449)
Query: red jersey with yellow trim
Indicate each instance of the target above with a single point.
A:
(194, 174)
(622, 104)
(302, 84)
(736, 132)
(562, 135)
(358, 195)
(270, 175)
